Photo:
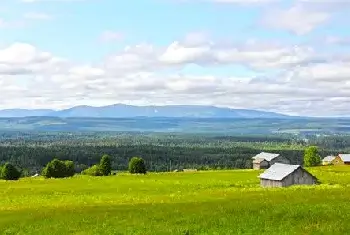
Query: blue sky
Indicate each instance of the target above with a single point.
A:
(271, 55)
(161, 22)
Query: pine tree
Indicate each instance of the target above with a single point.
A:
(106, 165)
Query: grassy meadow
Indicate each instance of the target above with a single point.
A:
(208, 202)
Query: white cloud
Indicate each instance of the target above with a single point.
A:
(196, 38)
(332, 72)
(25, 59)
(10, 24)
(87, 71)
(259, 56)
(297, 19)
(325, 4)
(109, 36)
(23, 54)
(179, 54)
(341, 41)
(303, 16)
(31, 78)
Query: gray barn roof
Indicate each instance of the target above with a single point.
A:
(267, 156)
(328, 158)
(278, 171)
(345, 157)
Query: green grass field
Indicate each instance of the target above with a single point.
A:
(213, 202)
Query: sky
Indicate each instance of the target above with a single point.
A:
(291, 57)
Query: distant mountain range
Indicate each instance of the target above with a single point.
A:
(129, 111)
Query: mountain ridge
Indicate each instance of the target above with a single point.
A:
(129, 111)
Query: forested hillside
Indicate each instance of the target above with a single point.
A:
(162, 152)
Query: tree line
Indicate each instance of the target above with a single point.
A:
(162, 152)
(65, 168)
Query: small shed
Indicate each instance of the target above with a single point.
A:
(264, 160)
(328, 160)
(342, 159)
(284, 175)
(260, 163)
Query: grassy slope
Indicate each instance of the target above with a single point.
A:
(222, 202)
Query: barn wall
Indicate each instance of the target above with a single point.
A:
(261, 165)
(256, 166)
(299, 176)
(337, 161)
(270, 183)
(289, 180)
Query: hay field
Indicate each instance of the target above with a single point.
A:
(208, 202)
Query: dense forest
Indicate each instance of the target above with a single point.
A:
(31, 151)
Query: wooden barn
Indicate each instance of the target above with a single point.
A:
(328, 160)
(260, 163)
(264, 160)
(342, 159)
(284, 175)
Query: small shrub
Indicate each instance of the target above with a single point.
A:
(137, 166)
(102, 169)
(95, 170)
(10, 172)
(106, 165)
(59, 169)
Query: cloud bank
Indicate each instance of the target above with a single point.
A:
(294, 80)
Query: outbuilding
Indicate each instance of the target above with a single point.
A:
(260, 163)
(342, 159)
(264, 160)
(284, 175)
(328, 160)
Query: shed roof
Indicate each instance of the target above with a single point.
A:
(329, 158)
(345, 157)
(278, 171)
(267, 156)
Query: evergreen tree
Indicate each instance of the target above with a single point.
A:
(311, 156)
(106, 165)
